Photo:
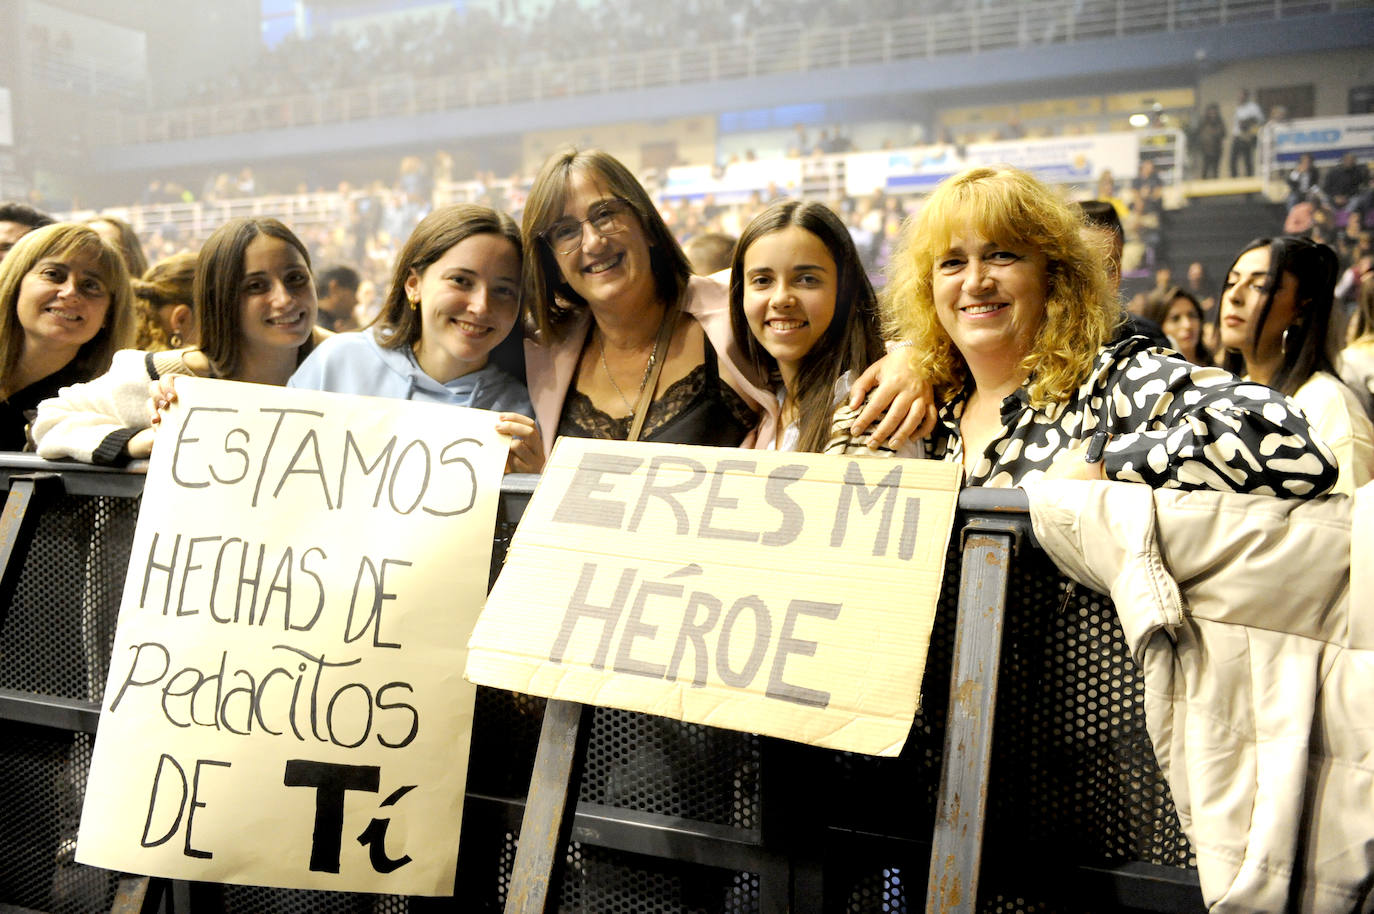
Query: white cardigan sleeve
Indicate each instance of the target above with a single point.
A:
(93, 421)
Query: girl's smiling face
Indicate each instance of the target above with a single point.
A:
(790, 282)
(277, 298)
(468, 300)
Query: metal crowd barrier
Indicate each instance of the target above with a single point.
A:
(1067, 812)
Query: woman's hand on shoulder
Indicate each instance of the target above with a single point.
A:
(526, 447)
(891, 391)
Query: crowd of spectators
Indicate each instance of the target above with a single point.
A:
(363, 226)
(1337, 209)
(424, 44)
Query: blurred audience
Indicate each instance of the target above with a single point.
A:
(336, 287)
(16, 221)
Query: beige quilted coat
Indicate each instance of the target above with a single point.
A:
(1255, 633)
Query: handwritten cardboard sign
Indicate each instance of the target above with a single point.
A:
(784, 594)
(286, 704)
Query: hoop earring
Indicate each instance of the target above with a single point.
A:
(175, 340)
(1287, 342)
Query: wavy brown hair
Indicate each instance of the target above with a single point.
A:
(1362, 325)
(550, 303)
(1010, 207)
(60, 240)
(167, 282)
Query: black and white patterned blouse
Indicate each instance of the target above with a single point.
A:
(1173, 425)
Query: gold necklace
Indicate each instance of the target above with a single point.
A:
(644, 379)
(648, 367)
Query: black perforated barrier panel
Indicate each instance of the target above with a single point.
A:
(42, 780)
(57, 634)
(1074, 779)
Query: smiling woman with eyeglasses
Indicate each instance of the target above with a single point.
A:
(624, 342)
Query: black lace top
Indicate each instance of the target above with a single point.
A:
(699, 408)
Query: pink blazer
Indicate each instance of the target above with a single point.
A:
(549, 370)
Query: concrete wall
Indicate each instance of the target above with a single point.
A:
(693, 137)
(1331, 73)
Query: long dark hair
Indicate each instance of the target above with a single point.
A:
(550, 302)
(217, 289)
(1306, 345)
(852, 341)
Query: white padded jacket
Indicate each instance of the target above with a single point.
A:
(1255, 634)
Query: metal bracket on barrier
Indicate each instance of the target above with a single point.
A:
(17, 523)
(1017, 525)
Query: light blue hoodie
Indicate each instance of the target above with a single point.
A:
(354, 363)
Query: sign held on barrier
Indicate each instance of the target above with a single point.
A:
(784, 594)
(284, 705)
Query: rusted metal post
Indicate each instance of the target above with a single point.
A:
(538, 870)
(957, 843)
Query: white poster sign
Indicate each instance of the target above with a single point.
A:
(286, 704)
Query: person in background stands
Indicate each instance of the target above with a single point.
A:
(122, 235)
(1210, 137)
(337, 291)
(1245, 125)
(1304, 183)
(16, 221)
(1104, 225)
(709, 252)
(1345, 181)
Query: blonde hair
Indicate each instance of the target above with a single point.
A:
(1010, 207)
(167, 282)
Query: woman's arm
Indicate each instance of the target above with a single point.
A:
(95, 421)
(1182, 426)
(891, 391)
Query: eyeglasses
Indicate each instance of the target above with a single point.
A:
(608, 218)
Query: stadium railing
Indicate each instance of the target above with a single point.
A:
(794, 48)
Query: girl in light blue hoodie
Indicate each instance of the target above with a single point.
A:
(455, 294)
